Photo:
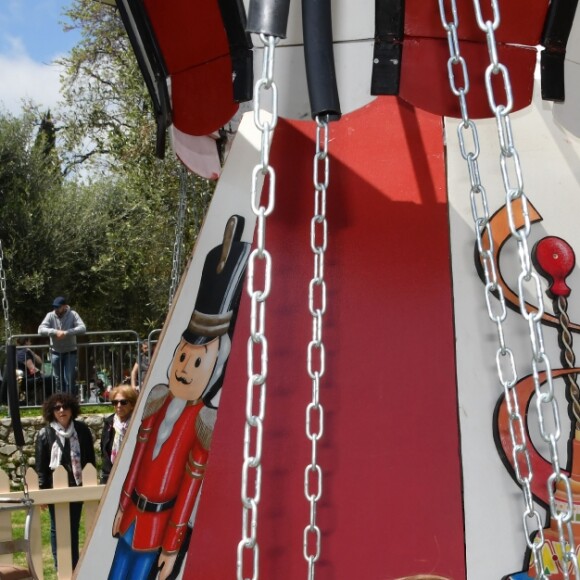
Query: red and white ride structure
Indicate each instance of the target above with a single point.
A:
(416, 167)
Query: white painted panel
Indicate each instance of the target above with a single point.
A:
(351, 20)
(353, 65)
(353, 32)
(550, 159)
(567, 114)
(232, 196)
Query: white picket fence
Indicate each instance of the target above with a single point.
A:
(61, 495)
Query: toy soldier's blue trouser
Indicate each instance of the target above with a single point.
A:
(129, 564)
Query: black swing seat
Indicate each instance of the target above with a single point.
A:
(20, 545)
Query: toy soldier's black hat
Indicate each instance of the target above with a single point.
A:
(220, 286)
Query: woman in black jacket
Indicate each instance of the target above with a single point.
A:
(67, 442)
(115, 426)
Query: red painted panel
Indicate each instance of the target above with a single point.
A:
(391, 503)
(195, 49)
(423, 19)
(189, 33)
(425, 84)
(424, 81)
(203, 97)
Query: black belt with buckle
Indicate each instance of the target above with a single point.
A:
(144, 505)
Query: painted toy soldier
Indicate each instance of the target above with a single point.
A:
(170, 455)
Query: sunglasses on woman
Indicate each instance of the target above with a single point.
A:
(121, 402)
(61, 407)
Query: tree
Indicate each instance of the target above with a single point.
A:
(110, 128)
(109, 120)
(87, 210)
(27, 181)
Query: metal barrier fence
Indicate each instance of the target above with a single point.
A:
(104, 359)
(152, 340)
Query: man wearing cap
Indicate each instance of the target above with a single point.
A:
(170, 455)
(62, 325)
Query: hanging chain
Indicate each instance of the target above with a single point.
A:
(494, 297)
(257, 343)
(512, 177)
(178, 243)
(6, 310)
(21, 472)
(317, 306)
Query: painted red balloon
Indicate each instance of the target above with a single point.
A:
(555, 258)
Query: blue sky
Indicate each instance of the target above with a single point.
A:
(31, 37)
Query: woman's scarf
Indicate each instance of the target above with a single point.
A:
(120, 428)
(75, 449)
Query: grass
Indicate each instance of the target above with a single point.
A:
(47, 561)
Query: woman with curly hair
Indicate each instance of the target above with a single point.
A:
(67, 442)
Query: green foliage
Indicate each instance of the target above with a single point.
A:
(109, 123)
(28, 182)
(86, 209)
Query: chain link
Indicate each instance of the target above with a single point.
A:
(316, 354)
(505, 360)
(5, 308)
(512, 177)
(179, 226)
(257, 348)
(21, 472)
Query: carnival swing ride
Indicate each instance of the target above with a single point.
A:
(385, 449)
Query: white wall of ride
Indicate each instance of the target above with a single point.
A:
(550, 157)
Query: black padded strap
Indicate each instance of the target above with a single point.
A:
(234, 18)
(388, 49)
(13, 395)
(555, 38)
(151, 63)
(319, 57)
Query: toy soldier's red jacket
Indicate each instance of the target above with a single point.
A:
(159, 492)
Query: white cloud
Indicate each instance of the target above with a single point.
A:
(25, 79)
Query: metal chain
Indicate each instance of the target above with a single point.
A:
(252, 466)
(21, 472)
(316, 363)
(528, 279)
(568, 358)
(5, 308)
(179, 226)
(497, 312)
